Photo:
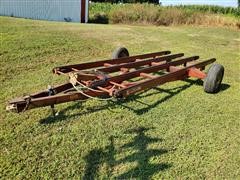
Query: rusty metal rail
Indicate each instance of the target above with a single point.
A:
(118, 78)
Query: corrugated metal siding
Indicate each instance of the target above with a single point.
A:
(56, 10)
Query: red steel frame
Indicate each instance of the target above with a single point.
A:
(114, 78)
(83, 11)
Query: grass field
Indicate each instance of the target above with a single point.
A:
(146, 14)
(172, 131)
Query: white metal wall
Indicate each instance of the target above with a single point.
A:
(56, 10)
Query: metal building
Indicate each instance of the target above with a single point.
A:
(54, 10)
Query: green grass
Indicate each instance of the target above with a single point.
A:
(172, 131)
(108, 7)
(232, 11)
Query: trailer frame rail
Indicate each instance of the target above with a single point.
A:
(114, 78)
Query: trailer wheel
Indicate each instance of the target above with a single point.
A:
(214, 78)
(120, 52)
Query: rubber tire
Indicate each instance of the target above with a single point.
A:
(214, 78)
(120, 52)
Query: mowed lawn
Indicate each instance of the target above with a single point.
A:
(173, 131)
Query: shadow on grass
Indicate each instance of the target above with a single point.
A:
(93, 160)
(113, 104)
(62, 114)
(199, 82)
(140, 143)
(144, 169)
(97, 157)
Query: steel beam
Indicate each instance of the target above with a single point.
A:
(68, 68)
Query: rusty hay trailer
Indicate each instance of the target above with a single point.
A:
(113, 78)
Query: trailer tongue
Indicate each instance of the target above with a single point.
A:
(107, 79)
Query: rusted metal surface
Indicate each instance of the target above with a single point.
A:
(113, 78)
(173, 76)
(69, 68)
